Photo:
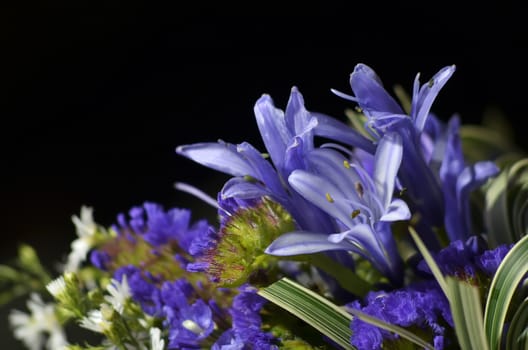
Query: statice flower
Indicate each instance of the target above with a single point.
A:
(421, 305)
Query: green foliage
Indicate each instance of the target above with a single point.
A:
(26, 274)
(510, 273)
(506, 204)
(326, 317)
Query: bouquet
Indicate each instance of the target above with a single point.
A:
(390, 228)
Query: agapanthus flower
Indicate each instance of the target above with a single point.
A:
(363, 206)
(458, 181)
(288, 138)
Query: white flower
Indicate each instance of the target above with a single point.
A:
(86, 229)
(119, 293)
(32, 328)
(57, 286)
(156, 343)
(95, 321)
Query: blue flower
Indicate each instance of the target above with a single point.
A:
(363, 206)
(458, 181)
(288, 138)
(422, 305)
(246, 320)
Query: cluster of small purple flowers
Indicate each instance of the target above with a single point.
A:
(152, 248)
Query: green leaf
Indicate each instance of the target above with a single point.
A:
(517, 338)
(466, 308)
(326, 317)
(506, 204)
(506, 280)
(430, 261)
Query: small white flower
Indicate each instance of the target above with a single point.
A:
(95, 321)
(32, 328)
(119, 293)
(156, 343)
(86, 228)
(57, 287)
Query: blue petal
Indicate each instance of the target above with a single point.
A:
(272, 127)
(370, 93)
(387, 163)
(316, 189)
(219, 156)
(427, 95)
(397, 210)
(240, 188)
(334, 129)
(299, 242)
(470, 179)
(298, 119)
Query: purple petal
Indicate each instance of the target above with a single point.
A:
(334, 129)
(387, 163)
(272, 127)
(219, 156)
(299, 242)
(397, 210)
(323, 194)
(370, 93)
(427, 95)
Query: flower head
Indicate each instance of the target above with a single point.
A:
(362, 206)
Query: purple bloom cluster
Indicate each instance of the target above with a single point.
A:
(465, 260)
(195, 313)
(421, 305)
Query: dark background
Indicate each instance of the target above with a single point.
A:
(95, 98)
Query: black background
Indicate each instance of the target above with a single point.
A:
(95, 98)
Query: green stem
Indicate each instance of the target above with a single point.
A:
(346, 278)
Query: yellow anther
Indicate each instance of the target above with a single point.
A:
(355, 213)
(359, 189)
(346, 164)
(329, 197)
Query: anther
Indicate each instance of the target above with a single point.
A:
(329, 197)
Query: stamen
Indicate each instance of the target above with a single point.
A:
(355, 213)
(359, 189)
(192, 326)
(430, 83)
(329, 198)
(346, 164)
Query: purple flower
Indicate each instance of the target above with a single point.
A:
(363, 206)
(143, 290)
(490, 260)
(458, 181)
(288, 137)
(385, 115)
(421, 305)
(246, 320)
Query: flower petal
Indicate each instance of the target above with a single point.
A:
(370, 93)
(323, 194)
(397, 210)
(387, 163)
(334, 129)
(427, 95)
(299, 242)
(220, 156)
(272, 127)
